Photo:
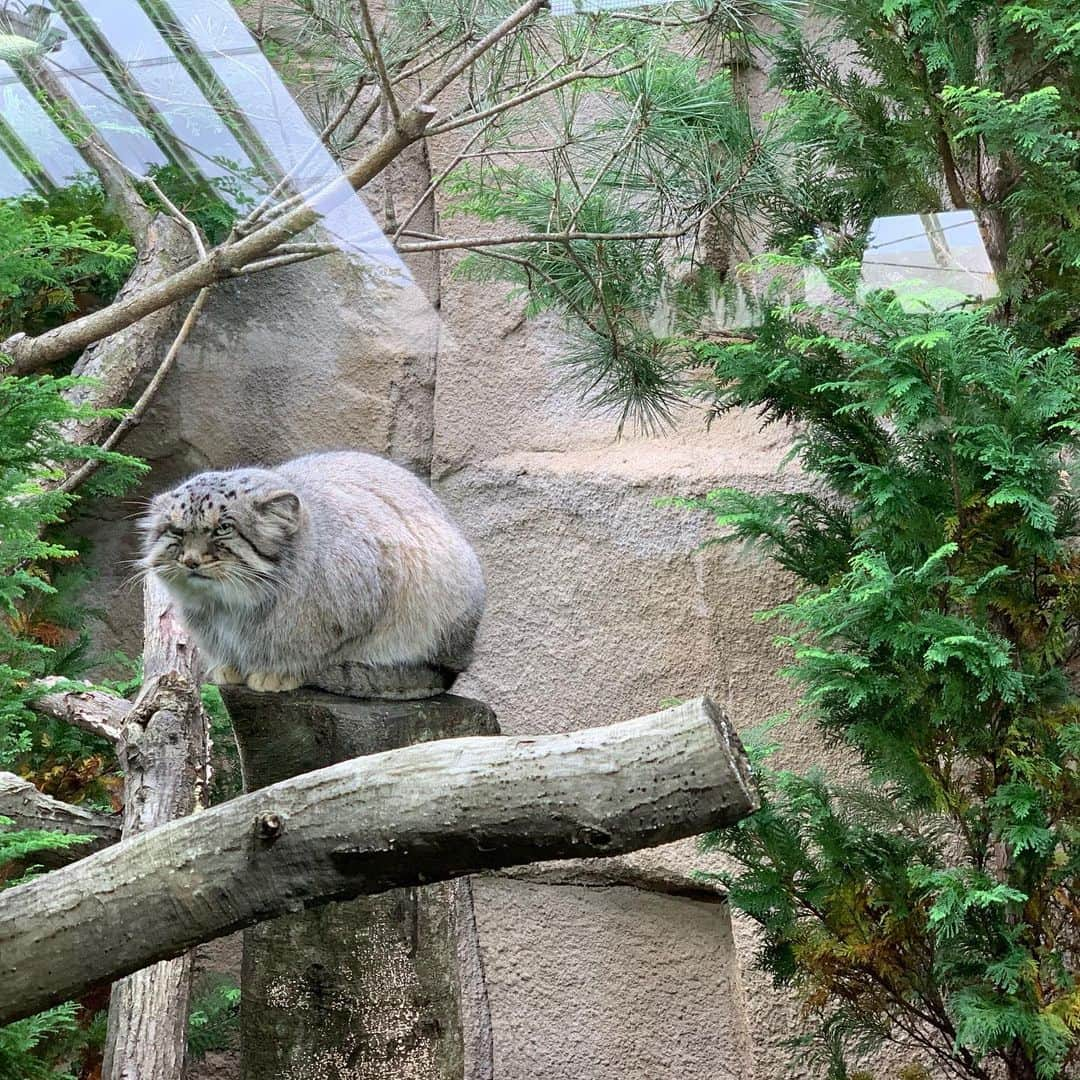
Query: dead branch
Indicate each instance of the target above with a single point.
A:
(164, 753)
(29, 808)
(94, 711)
(530, 95)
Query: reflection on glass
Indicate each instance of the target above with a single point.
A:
(181, 82)
(941, 251)
(12, 181)
(31, 124)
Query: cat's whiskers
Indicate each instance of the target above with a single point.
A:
(139, 574)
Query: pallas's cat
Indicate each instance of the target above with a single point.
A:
(282, 573)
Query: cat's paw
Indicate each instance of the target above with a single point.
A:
(223, 675)
(268, 682)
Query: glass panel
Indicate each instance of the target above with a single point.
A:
(299, 152)
(12, 182)
(929, 252)
(124, 135)
(185, 83)
(32, 124)
(211, 24)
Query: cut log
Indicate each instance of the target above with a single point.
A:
(371, 985)
(28, 808)
(163, 750)
(405, 817)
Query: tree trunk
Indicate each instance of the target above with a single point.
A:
(405, 817)
(164, 753)
(368, 987)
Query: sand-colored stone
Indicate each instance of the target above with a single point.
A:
(622, 983)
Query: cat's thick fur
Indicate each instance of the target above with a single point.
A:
(333, 558)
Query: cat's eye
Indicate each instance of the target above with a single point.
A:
(223, 530)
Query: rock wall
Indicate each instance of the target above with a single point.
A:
(603, 605)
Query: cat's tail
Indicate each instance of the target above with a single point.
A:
(396, 682)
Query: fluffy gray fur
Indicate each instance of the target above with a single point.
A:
(332, 558)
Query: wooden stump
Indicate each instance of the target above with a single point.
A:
(367, 989)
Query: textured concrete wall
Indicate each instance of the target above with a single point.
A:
(621, 984)
(602, 605)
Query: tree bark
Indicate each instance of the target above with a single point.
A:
(405, 817)
(91, 710)
(164, 754)
(28, 808)
(369, 986)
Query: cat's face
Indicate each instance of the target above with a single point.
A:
(221, 536)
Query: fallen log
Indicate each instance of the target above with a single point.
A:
(404, 817)
(28, 808)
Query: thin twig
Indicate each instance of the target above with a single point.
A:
(274, 261)
(339, 117)
(245, 224)
(412, 72)
(529, 95)
(448, 244)
(91, 465)
(178, 215)
(633, 126)
(379, 63)
(488, 41)
(365, 119)
(435, 184)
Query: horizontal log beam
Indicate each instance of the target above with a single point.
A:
(405, 817)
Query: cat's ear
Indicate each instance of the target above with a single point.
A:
(281, 510)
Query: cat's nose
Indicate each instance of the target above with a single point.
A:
(190, 560)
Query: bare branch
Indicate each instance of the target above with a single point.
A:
(555, 237)
(89, 710)
(179, 216)
(357, 828)
(389, 100)
(165, 756)
(416, 69)
(434, 185)
(488, 41)
(529, 95)
(343, 111)
(275, 261)
(138, 410)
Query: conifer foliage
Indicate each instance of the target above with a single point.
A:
(939, 614)
(932, 533)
